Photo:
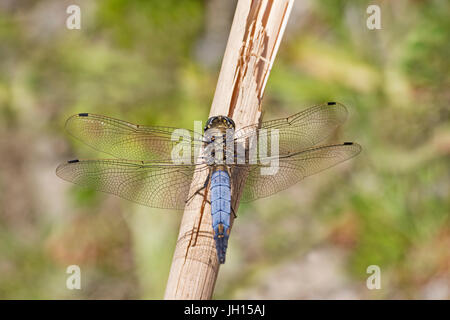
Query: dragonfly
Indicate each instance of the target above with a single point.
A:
(143, 169)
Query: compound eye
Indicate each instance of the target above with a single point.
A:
(209, 123)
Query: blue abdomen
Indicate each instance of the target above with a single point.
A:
(220, 211)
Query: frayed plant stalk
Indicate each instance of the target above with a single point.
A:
(255, 36)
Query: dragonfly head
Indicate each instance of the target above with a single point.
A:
(219, 122)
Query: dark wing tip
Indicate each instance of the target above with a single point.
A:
(73, 161)
(83, 114)
(331, 103)
(354, 146)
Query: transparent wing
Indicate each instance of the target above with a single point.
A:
(125, 140)
(292, 169)
(302, 130)
(156, 185)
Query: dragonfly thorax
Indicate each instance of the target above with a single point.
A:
(217, 132)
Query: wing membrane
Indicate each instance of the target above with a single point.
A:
(150, 178)
(302, 130)
(125, 140)
(292, 169)
(157, 185)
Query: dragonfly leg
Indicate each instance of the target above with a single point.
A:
(200, 194)
(231, 206)
(234, 213)
(202, 188)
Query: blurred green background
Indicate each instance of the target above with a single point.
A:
(156, 63)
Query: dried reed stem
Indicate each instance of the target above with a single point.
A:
(255, 35)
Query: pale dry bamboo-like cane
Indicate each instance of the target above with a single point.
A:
(255, 35)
